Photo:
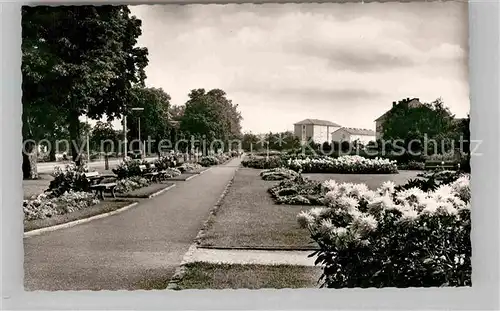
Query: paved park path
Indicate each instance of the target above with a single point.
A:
(124, 251)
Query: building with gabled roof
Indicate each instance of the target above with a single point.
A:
(350, 134)
(316, 130)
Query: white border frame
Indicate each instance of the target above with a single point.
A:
(484, 82)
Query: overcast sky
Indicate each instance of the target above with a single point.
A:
(344, 63)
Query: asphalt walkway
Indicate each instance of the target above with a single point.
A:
(126, 250)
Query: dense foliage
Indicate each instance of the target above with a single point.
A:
(129, 168)
(71, 178)
(392, 238)
(261, 162)
(298, 191)
(90, 53)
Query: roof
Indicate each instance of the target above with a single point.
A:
(356, 131)
(409, 100)
(318, 122)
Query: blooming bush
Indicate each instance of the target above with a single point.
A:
(298, 191)
(343, 165)
(129, 168)
(69, 179)
(131, 183)
(208, 161)
(278, 174)
(44, 206)
(172, 172)
(390, 237)
(188, 167)
(263, 162)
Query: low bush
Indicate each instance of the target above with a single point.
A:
(412, 166)
(131, 183)
(298, 191)
(129, 168)
(44, 206)
(166, 162)
(207, 161)
(71, 178)
(392, 238)
(343, 165)
(262, 162)
(278, 174)
(172, 172)
(189, 167)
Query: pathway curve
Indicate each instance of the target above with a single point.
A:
(126, 250)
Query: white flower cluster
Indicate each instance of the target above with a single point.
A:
(43, 206)
(187, 167)
(343, 201)
(343, 164)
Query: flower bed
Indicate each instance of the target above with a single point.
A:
(129, 168)
(208, 161)
(343, 165)
(166, 162)
(172, 172)
(45, 206)
(263, 162)
(70, 179)
(131, 183)
(189, 167)
(278, 174)
(393, 237)
(298, 191)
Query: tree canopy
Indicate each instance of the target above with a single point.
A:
(78, 60)
(211, 114)
(431, 120)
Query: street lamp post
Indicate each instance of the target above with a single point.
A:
(139, 132)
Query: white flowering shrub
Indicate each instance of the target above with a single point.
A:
(392, 238)
(278, 174)
(132, 183)
(344, 165)
(44, 206)
(188, 167)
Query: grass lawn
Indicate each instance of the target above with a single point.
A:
(373, 181)
(248, 218)
(201, 275)
(36, 186)
(144, 192)
(101, 208)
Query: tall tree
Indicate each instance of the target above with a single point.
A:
(154, 119)
(210, 115)
(431, 120)
(79, 60)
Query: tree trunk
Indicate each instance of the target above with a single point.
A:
(30, 161)
(52, 151)
(74, 134)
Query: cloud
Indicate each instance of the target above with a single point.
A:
(344, 62)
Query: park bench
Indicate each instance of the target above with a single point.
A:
(432, 165)
(96, 184)
(151, 174)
